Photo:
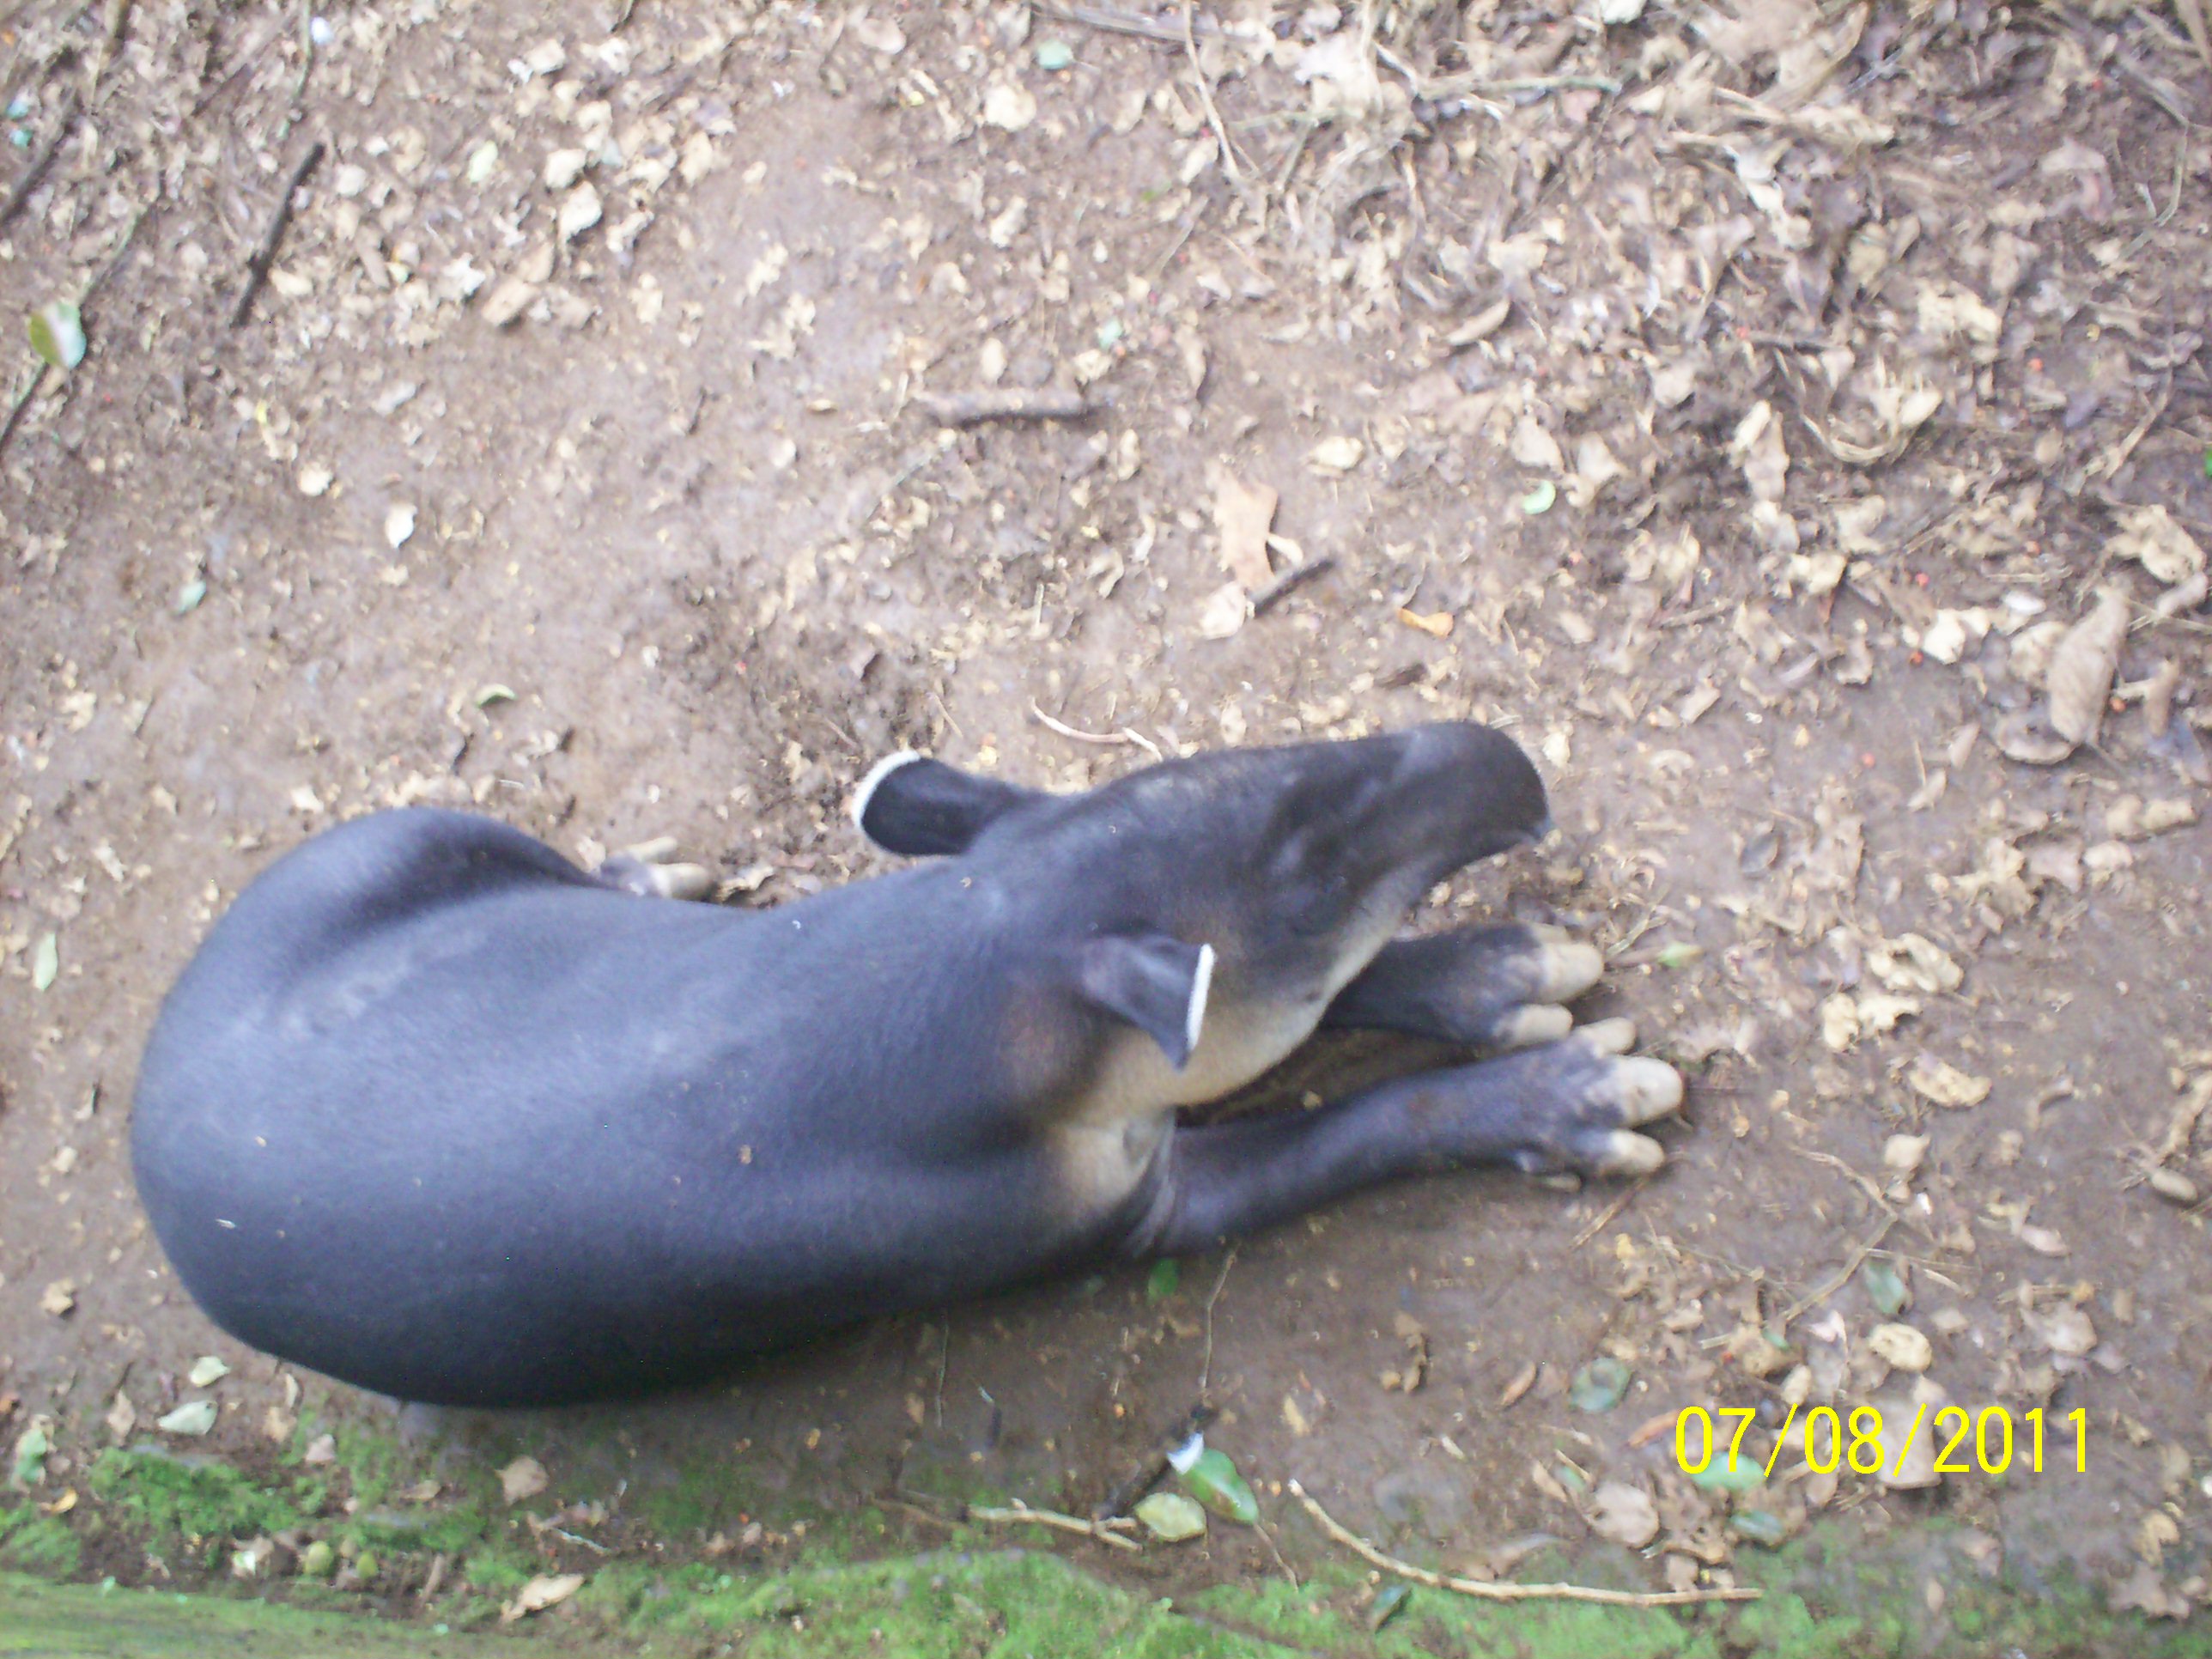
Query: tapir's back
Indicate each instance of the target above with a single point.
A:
(435, 1112)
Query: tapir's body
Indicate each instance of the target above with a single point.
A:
(438, 1112)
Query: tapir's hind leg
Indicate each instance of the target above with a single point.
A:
(1488, 988)
(1567, 1105)
(651, 870)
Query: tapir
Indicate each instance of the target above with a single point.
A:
(436, 1112)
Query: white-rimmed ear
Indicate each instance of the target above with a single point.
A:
(882, 769)
(1157, 983)
(921, 807)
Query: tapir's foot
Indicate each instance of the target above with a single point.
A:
(651, 870)
(1572, 1104)
(1503, 986)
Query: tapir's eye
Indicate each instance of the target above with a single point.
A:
(1316, 905)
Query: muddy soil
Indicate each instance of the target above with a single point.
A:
(1739, 409)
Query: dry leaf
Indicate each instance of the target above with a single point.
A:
(540, 1593)
(1226, 611)
(2149, 535)
(1243, 514)
(1625, 1514)
(2079, 676)
(1523, 1380)
(1338, 454)
(1902, 1346)
(1945, 1084)
(523, 1478)
(1438, 625)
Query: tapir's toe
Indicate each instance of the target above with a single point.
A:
(1566, 966)
(1627, 1153)
(651, 870)
(1608, 1037)
(1534, 1023)
(1646, 1088)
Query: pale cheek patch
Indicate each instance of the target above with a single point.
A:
(1202, 983)
(882, 769)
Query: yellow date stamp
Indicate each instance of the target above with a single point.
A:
(1864, 1441)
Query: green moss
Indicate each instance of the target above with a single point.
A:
(32, 1542)
(1003, 1603)
(195, 1497)
(63, 1621)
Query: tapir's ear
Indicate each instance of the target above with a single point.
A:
(1157, 983)
(923, 808)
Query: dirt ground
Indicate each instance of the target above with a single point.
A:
(1743, 409)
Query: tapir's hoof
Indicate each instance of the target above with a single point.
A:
(1504, 988)
(1579, 1102)
(651, 870)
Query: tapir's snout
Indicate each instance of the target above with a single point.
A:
(1458, 793)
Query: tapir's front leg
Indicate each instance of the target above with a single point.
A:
(1566, 1105)
(1503, 987)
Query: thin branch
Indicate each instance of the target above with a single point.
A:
(1021, 1515)
(1206, 1368)
(990, 404)
(1840, 1279)
(257, 268)
(1290, 582)
(1114, 21)
(1474, 1587)
(1605, 1217)
(36, 170)
(1127, 736)
(1229, 161)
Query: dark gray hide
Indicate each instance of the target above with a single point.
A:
(435, 1112)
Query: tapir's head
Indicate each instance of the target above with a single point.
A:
(1238, 890)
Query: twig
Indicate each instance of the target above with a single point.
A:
(1436, 88)
(1206, 1366)
(306, 50)
(1127, 736)
(1611, 1211)
(1229, 161)
(22, 403)
(973, 408)
(1290, 582)
(1476, 1588)
(257, 268)
(1821, 1294)
(1140, 1481)
(1112, 21)
(1021, 1515)
(36, 170)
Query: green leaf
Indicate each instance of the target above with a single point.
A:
(1540, 500)
(1054, 55)
(1171, 1517)
(493, 693)
(206, 1370)
(193, 1417)
(58, 334)
(1759, 1527)
(1724, 1473)
(1680, 954)
(31, 1457)
(1213, 1480)
(1164, 1280)
(190, 595)
(1390, 1601)
(1599, 1385)
(1885, 1286)
(45, 961)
